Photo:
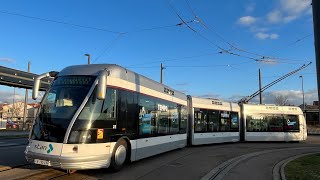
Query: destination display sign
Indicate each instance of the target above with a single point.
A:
(74, 80)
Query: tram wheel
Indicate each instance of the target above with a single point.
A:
(119, 155)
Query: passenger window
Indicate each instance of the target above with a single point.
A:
(234, 121)
(174, 119)
(147, 115)
(110, 106)
(291, 123)
(275, 123)
(200, 120)
(254, 122)
(224, 121)
(184, 119)
(213, 121)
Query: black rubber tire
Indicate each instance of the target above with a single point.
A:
(113, 165)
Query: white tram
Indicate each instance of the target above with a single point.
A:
(273, 123)
(213, 121)
(102, 115)
(96, 116)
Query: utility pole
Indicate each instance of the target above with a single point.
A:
(260, 92)
(303, 103)
(25, 104)
(161, 73)
(88, 57)
(13, 101)
(316, 31)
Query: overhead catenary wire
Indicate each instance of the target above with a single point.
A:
(292, 43)
(88, 27)
(109, 47)
(222, 50)
(174, 59)
(60, 22)
(235, 47)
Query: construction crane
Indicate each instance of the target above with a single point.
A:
(248, 98)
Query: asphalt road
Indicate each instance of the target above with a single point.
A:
(188, 163)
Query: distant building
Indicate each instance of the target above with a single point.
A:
(312, 113)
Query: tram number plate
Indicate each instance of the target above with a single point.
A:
(42, 162)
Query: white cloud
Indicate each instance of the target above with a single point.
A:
(247, 20)
(294, 97)
(274, 36)
(295, 6)
(263, 36)
(258, 29)
(288, 11)
(250, 7)
(6, 60)
(7, 96)
(274, 16)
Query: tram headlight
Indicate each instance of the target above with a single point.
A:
(80, 137)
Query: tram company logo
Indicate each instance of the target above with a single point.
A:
(44, 148)
(50, 148)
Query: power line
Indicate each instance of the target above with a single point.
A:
(233, 46)
(292, 43)
(87, 27)
(175, 59)
(183, 21)
(109, 47)
(60, 22)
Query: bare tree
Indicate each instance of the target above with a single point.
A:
(281, 100)
(17, 109)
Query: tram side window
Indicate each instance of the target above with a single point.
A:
(174, 118)
(184, 119)
(213, 121)
(147, 115)
(110, 106)
(166, 114)
(234, 121)
(275, 123)
(224, 121)
(254, 122)
(291, 123)
(200, 120)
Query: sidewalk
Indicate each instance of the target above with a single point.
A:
(313, 130)
(13, 133)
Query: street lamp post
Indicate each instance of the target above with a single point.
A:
(304, 105)
(88, 57)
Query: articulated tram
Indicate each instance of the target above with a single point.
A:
(102, 115)
(273, 123)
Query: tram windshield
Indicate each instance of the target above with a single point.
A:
(59, 106)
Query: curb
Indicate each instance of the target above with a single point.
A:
(278, 170)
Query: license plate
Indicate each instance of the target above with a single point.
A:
(42, 162)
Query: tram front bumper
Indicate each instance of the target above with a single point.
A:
(72, 163)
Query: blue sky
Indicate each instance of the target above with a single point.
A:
(141, 34)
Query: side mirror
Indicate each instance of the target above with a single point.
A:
(36, 85)
(102, 84)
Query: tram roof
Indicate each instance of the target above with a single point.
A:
(117, 71)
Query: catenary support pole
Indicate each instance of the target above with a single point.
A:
(316, 32)
(25, 104)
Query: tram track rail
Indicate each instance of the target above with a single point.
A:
(221, 171)
(31, 171)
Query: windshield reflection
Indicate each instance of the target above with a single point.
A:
(58, 107)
